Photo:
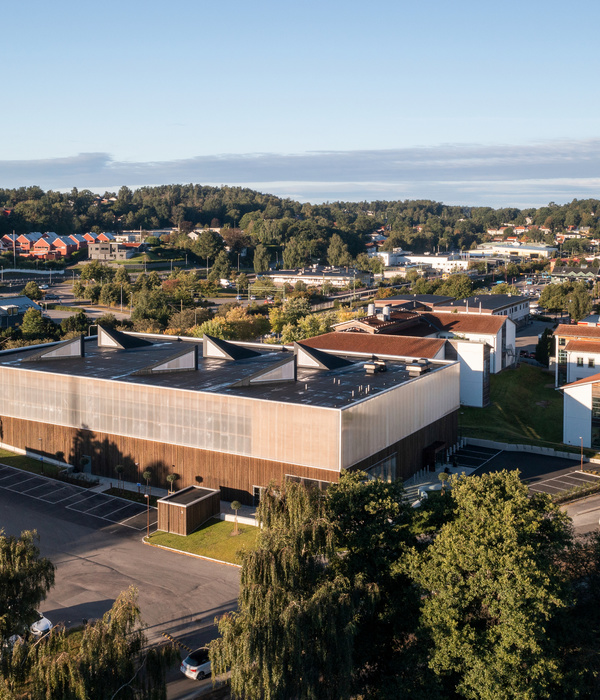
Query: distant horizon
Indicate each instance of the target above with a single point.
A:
(470, 175)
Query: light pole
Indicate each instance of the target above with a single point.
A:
(41, 454)
(581, 453)
(147, 497)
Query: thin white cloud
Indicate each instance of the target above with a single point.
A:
(495, 175)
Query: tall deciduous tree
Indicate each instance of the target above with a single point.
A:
(109, 660)
(491, 586)
(32, 291)
(25, 579)
(34, 325)
(208, 245)
(261, 259)
(337, 253)
(292, 635)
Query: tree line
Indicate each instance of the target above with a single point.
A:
(483, 593)
(275, 222)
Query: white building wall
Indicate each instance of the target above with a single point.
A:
(574, 373)
(511, 343)
(471, 357)
(577, 415)
(444, 263)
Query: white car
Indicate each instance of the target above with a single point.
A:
(197, 665)
(41, 626)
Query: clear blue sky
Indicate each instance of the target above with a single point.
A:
(157, 90)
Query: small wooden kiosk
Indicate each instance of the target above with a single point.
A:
(182, 512)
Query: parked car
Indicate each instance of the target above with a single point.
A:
(197, 665)
(40, 626)
(43, 286)
(48, 297)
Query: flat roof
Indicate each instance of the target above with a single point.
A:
(490, 302)
(189, 495)
(334, 388)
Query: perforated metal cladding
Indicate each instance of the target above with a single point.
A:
(285, 432)
(388, 417)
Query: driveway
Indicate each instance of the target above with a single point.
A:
(527, 337)
(96, 560)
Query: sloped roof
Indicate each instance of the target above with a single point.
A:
(380, 344)
(587, 380)
(228, 350)
(576, 331)
(583, 346)
(466, 323)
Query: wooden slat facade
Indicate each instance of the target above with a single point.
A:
(235, 475)
(181, 519)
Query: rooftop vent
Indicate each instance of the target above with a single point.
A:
(418, 367)
(375, 366)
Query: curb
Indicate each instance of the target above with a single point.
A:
(190, 554)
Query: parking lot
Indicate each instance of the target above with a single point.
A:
(474, 457)
(564, 482)
(76, 498)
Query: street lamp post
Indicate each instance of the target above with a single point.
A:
(41, 454)
(581, 439)
(147, 497)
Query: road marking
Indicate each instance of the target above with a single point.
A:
(488, 460)
(76, 494)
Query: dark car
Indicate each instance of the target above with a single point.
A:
(197, 665)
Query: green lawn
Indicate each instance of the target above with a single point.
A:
(27, 464)
(525, 408)
(34, 466)
(214, 539)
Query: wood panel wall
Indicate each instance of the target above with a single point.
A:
(234, 475)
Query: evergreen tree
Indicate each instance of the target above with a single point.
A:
(221, 268)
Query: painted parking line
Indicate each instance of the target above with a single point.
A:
(92, 501)
(489, 459)
(475, 451)
(26, 486)
(564, 482)
(13, 479)
(139, 521)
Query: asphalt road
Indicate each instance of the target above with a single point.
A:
(585, 514)
(527, 337)
(95, 561)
